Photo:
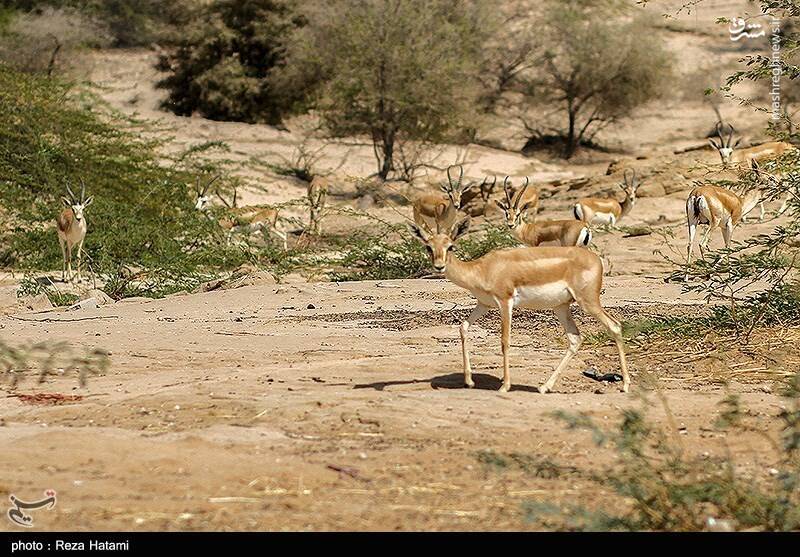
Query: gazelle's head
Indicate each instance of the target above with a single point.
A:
(724, 146)
(512, 210)
(440, 244)
(78, 205)
(630, 183)
(454, 189)
(203, 198)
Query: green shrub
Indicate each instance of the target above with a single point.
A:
(221, 63)
(143, 215)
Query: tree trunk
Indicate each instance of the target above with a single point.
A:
(387, 148)
(572, 142)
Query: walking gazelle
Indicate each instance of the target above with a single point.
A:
(539, 278)
(71, 227)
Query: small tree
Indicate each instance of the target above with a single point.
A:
(597, 65)
(395, 70)
(221, 65)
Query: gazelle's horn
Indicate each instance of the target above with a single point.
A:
(460, 175)
(730, 136)
(632, 181)
(83, 190)
(71, 195)
(507, 191)
(522, 191)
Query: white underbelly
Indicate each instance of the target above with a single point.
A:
(604, 218)
(543, 297)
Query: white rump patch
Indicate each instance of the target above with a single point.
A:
(543, 296)
(604, 218)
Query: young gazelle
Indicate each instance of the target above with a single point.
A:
(540, 278)
(730, 155)
(718, 208)
(426, 207)
(605, 210)
(71, 226)
(563, 232)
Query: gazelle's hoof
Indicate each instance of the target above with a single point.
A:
(543, 389)
(504, 388)
(469, 384)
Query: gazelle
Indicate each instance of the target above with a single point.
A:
(428, 206)
(524, 197)
(249, 219)
(203, 199)
(71, 227)
(539, 278)
(475, 202)
(726, 148)
(317, 196)
(605, 210)
(563, 232)
(718, 208)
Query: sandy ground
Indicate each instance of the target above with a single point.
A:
(340, 405)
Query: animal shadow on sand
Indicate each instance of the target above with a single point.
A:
(483, 381)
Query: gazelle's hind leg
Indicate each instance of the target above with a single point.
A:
(61, 242)
(614, 328)
(78, 262)
(573, 337)
(690, 247)
(506, 309)
(476, 314)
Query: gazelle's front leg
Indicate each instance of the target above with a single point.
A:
(80, 248)
(69, 262)
(506, 308)
(476, 314)
(573, 337)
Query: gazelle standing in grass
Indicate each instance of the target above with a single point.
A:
(71, 227)
(248, 219)
(538, 278)
(428, 209)
(563, 232)
(718, 208)
(607, 210)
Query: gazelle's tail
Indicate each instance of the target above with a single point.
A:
(577, 210)
(585, 236)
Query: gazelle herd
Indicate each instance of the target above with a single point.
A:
(556, 276)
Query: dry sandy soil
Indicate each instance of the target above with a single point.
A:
(340, 405)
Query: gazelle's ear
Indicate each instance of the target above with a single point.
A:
(526, 207)
(735, 145)
(713, 144)
(459, 229)
(500, 204)
(88, 201)
(66, 202)
(418, 232)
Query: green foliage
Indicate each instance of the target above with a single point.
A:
(375, 255)
(394, 70)
(143, 215)
(221, 64)
(49, 358)
(668, 490)
(30, 286)
(534, 465)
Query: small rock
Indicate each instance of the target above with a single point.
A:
(40, 302)
(101, 297)
(311, 306)
(719, 525)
